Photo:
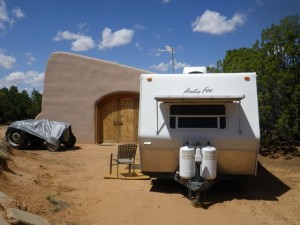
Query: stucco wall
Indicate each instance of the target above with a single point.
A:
(73, 84)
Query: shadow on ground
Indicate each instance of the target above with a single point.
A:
(265, 186)
(43, 147)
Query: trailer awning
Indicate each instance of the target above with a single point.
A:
(199, 98)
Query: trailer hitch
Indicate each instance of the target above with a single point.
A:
(195, 186)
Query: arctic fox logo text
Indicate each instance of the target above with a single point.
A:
(198, 91)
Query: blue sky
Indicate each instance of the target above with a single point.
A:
(129, 32)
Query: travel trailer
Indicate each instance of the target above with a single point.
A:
(197, 127)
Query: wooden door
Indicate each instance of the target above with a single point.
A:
(119, 119)
(109, 115)
(127, 131)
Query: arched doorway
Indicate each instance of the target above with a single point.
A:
(117, 119)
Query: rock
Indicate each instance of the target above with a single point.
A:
(17, 216)
(6, 201)
(288, 157)
(3, 221)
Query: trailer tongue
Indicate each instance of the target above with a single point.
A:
(197, 169)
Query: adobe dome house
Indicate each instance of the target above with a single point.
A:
(100, 99)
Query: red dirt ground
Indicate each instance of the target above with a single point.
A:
(76, 177)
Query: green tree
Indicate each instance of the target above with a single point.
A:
(4, 105)
(216, 69)
(276, 60)
(15, 105)
(36, 103)
(279, 79)
(241, 60)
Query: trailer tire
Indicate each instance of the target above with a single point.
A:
(17, 139)
(71, 142)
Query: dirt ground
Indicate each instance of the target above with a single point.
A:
(76, 177)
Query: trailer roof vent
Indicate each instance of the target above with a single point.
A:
(193, 70)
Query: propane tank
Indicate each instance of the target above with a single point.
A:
(187, 162)
(208, 169)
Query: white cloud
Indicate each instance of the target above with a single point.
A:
(163, 67)
(166, 1)
(179, 65)
(5, 19)
(155, 52)
(83, 27)
(138, 46)
(32, 78)
(259, 2)
(166, 50)
(6, 61)
(83, 43)
(80, 42)
(138, 26)
(214, 23)
(3, 15)
(17, 12)
(13, 79)
(65, 35)
(30, 58)
(113, 39)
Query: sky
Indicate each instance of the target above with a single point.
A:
(136, 33)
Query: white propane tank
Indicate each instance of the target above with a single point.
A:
(187, 162)
(208, 169)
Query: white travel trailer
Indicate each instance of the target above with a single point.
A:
(198, 125)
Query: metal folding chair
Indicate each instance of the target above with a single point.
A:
(126, 155)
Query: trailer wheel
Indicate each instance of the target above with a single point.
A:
(71, 142)
(17, 139)
(53, 147)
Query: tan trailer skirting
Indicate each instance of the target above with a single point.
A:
(228, 161)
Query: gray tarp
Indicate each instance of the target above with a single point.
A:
(50, 131)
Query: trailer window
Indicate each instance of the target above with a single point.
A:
(198, 116)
